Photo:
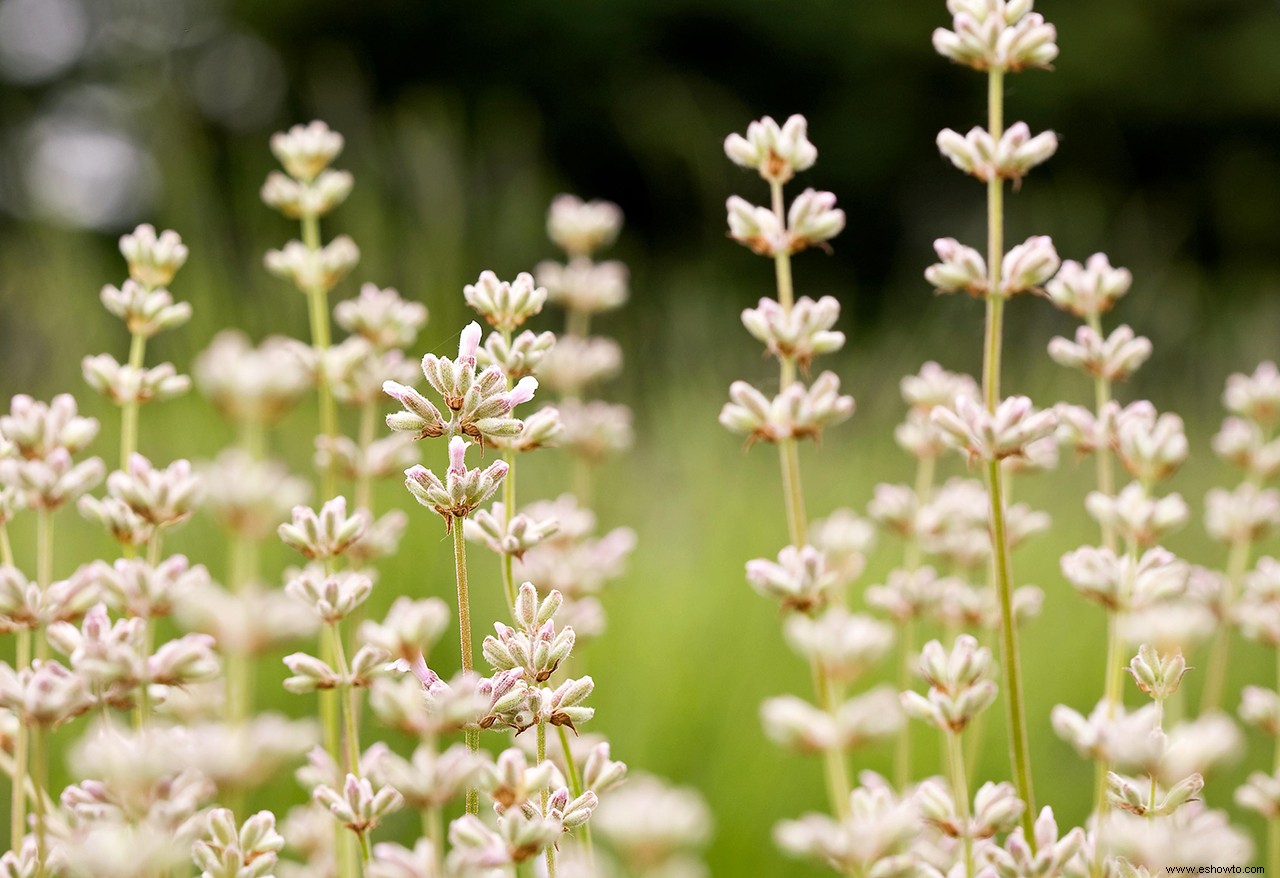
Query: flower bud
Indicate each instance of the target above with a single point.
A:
(324, 535)
(306, 150)
(505, 305)
(776, 152)
(580, 228)
(1157, 675)
(153, 259)
(1028, 266)
(319, 269)
(1088, 290)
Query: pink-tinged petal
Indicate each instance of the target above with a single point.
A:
(523, 391)
(458, 455)
(469, 343)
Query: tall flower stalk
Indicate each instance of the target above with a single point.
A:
(805, 579)
(999, 38)
(309, 190)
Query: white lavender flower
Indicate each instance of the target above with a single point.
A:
(934, 386)
(358, 806)
(799, 579)
(1115, 357)
(508, 536)
(843, 644)
(153, 259)
(462, 491)
(523, 355)
(322, 535)
(410, 629)
(983, 435)
(249, 851)
(163, 497)
(799, 333)
(650, 822)
(1136, 516)
(574, 364)
(51, 481)
(1123, 582)
(395, 861)
(1159, 676)
(1028, 266)
(584, 286)
(1260, 793)
(1243, 443)
(960, 684)
(592, 430)
(37, 429)
(797, 412)
(299, 199)
(980, 155)
(1152, 447)
(144, 310)
(314, 269)
(877, 833)
(776, 152)
(332, 597)
(580, 228)
(45, 694)
(1256, 396)
(138, 588)
(248, 384)
(306, 150)
(480, 405)
(1088, 290)
(1006, 36)
(960, 269)
(1246, 513)
(505, 305)
(382, 317)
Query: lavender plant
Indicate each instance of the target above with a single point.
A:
(152, 796)
(142, 670)
(1150, 763)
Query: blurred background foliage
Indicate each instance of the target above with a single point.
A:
(464, 119)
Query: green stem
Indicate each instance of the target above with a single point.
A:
(253, 438)
(40, 772)
(577, 322)
(330, 711)
(129, 411)
(575, 785)
(18, 801)
(142, 712)
(1216, 676)
(364, 479)
(902, 749)
(1010, 662)
(837, 773)
(542, 757)
(788, 452)
(350, 702)
(8, 767)
(1103, 458)
(433, 828)
(960, 792)
(464, 629)
(239, 678)
(991, 364)
(6, 547)
(44, 567)
(318, 312)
